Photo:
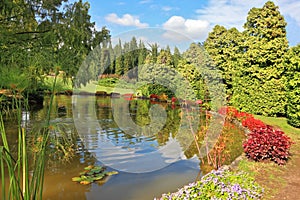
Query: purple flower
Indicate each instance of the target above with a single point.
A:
(236, 188)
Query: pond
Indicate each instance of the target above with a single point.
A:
(150, 144)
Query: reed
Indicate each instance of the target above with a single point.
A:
(18, 181)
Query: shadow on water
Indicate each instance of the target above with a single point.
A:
(125, 185)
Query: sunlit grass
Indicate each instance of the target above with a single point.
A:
(60, 86)
(93, 87)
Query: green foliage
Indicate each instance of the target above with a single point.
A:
(25, 182)
(252, 62)
(224, 47)
(293, 86)
(203, 76)
(219, 185)
(108, 82)
(37, 36)
(260, 84)
(160, 78)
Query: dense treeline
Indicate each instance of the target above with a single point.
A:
(151, 69)
(259, 69)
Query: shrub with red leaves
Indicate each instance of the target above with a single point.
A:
(154, 96)
(251, 123)
(243, 116)
(267, 143)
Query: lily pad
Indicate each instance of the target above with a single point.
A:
(111, 173)
(98, 177)
(86, 182)
(76, 179)
(89, 167)
(91, 174)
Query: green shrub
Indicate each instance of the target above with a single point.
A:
(293, 86)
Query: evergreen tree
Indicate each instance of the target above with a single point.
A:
(127, 57)
(142, 53)
(259, 85)
(293, 85)
(164, 57)
(176, 57)
(225, 48)
(119, 64)
(111, 59)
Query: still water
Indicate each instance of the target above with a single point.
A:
(149, 145)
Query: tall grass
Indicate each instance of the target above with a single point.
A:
(18, 182)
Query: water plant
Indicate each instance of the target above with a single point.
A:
(19, 180)
(91, 174)
(219, 184)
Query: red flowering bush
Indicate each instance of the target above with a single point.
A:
(263, 142)
(154, 96)
(267, 143)
(241, 116)
(251, 123)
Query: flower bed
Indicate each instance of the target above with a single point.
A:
(219, 184)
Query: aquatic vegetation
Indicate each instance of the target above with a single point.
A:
(91, 174)
(25, 181)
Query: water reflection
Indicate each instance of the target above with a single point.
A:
(125, 139)
(96, 123)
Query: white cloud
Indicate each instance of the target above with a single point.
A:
(121, 3)
(185, 29)
(233, 13)
(145, 1)
(125, 20)
(290, 8)
(167, 8)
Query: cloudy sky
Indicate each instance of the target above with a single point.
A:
(193, 19)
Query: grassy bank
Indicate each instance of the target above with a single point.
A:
(93, 87)
(63, 85)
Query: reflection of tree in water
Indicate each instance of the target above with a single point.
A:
(139, 111)
(177, 126)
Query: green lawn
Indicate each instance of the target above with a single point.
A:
(93, 87)
(280, 122)
(63, 85)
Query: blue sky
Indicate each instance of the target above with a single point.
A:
(193, 19)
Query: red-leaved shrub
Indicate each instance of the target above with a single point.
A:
(263, 142)
(267, 143)
(251, 123)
